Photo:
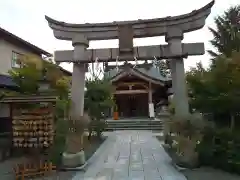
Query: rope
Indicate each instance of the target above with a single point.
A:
(97, 63)
(117, 64)
(135, 62)
(155, 61)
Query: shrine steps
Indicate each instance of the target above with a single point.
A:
(134, 124)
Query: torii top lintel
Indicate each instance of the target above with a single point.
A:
(141, 28)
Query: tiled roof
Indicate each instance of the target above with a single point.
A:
(6, 81)
(151, 72)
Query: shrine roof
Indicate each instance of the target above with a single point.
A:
(151, 73)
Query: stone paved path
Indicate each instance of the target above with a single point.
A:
(132, 155)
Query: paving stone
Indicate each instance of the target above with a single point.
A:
(136, 167)
(118, 173)
(132, 155)
(136, 174)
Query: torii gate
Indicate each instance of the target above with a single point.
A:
(173, 28)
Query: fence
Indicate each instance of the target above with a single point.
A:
(31, 170)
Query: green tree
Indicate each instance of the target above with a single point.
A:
(34, 69)
(227, 33)
(98, 98)
(216, 90)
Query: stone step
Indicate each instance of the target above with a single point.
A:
(134, 128)
(120, 129)
(134, 125)
(134, 122)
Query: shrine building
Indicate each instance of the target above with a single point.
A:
(140, 90)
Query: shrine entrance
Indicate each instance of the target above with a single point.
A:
(132, 105)
(172, 27)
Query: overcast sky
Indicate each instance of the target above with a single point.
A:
(25, 18)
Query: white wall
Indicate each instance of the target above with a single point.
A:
(6, 49)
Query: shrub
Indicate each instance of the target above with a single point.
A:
(190, 126)
(187, 134)
(220, 148)
(185, 152)
(96, 126)
(58, 147)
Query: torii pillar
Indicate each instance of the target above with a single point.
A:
(80, 44)
(174, 38)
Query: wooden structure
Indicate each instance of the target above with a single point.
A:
(32, 170)
(139, 89)
(31, 127)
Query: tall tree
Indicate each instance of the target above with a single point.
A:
(227, 33)
(216, 90)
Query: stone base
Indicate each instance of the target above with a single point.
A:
(73, 160)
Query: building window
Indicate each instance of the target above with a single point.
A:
(16, 57)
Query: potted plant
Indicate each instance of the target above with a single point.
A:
(115, 113)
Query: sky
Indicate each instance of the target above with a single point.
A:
(25, 18)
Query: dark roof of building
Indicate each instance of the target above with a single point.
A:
(65, 71)
(6, 81)
(20, 42)
(151, 72)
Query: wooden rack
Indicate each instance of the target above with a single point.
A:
(33, 128)
(31, 170)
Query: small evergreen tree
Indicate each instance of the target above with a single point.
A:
(98, 99)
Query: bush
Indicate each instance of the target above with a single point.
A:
(187, 134)
(168, 140)
(190, 126)
(59, 143)
(221, 149)
(97, 127)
